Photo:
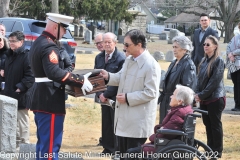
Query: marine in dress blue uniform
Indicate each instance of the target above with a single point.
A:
(48, 93)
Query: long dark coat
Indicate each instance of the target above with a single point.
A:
(183, 73)
(113, 65)
(18, 74)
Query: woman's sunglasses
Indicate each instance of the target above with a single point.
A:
(206, 44)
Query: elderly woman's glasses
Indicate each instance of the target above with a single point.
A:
(206, 44)
(127, 45)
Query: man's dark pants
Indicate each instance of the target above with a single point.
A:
(236, 81)
(125, 143)
(108, 136)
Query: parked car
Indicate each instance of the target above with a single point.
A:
(166, 31)
(33, 28)
(82, 21)
(100, 26)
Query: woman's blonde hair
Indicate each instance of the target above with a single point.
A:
(214, 40)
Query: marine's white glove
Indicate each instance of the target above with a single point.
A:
(87, 86)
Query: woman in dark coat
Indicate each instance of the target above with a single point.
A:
(210, 93)
(181, 71)
(18, 79)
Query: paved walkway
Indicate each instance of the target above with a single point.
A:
(229, 106)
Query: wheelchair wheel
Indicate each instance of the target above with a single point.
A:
(179, 152)
(202, 147)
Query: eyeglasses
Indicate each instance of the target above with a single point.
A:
(97, 43)
(206, 44)
(127, 45)
(13, 41)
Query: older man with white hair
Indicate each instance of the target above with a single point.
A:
(110, 59)
(2, 29)
(48, 93)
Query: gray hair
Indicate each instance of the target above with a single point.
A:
(99, 34)
(6, 45)
(184, 43)
(184, 94)
(114, 37)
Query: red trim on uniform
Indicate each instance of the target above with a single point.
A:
(51, 137)
(66, 77)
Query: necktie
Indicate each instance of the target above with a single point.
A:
(106, 58)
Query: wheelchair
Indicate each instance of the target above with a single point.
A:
(185, 147)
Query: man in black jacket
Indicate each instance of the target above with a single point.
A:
(199, 37)
(17, 66)
(111, 60)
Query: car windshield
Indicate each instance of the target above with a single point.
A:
(38, 27)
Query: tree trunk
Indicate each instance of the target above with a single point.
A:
(222, 31)
(4, 8)
(228, 32)
(55, 5)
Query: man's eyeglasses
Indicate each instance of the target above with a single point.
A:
(206, 44)
(97, 43)
(127, 45)
(13, 41)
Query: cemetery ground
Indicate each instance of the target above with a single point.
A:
(82, 126)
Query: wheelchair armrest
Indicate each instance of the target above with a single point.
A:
(196, 115)
(172, 132)
(200, 111)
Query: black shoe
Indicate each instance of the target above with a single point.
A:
(99, 141)
(235, 109)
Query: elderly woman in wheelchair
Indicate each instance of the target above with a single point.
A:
(174, 138)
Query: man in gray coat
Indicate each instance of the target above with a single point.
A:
(138, 91)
